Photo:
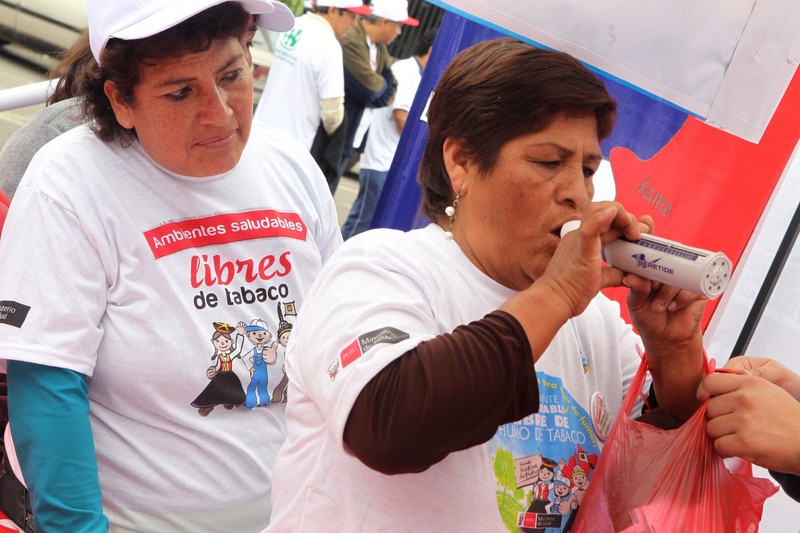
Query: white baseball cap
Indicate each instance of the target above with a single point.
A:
(137, 19)
(356, 6)
(395, 10)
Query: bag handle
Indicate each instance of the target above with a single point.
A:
(640, 378)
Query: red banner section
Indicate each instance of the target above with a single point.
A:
(219, 229)
(707, 188)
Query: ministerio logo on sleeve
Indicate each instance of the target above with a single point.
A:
(363, 343)
(173, 237)
(13, 313)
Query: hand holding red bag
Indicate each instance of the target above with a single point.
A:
(651, 480)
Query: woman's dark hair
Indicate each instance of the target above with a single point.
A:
(70, 69)
(496, 91)
(122, 60)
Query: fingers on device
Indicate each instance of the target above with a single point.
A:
(669, 262)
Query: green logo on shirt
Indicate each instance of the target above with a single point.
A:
(291, 38)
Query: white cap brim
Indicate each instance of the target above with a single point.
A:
(271, 15)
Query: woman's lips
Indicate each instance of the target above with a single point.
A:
(217, 141)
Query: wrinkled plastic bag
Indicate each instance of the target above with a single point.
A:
(651, 480)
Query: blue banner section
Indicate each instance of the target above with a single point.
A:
(644, 125)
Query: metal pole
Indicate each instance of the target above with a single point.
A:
(26, 95)
(773, 275)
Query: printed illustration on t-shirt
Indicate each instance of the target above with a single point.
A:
(284, 331)
(263, 362)
(224, 387)
(245, 282)
(544, 462)
(263, 353)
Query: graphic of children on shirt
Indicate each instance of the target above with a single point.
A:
(577, 471)
(543, 463)
(562, 501)
(224, 387)
(540, 493)
(263, 353)
(284, 330)
(580, 484)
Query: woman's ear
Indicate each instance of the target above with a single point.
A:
(457, 163)
(121, 109)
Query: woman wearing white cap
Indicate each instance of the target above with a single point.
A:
(127, 241)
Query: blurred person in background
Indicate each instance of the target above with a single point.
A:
(305, 86)
(62, 113)
(384, 135)
(368, 78)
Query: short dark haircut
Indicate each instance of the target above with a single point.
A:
(424, 42)
(122, 61)
(496, 91)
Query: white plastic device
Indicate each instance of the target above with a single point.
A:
(667, 261)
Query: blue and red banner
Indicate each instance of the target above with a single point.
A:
(703, 185)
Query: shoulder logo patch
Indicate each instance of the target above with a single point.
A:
(357, 348)
(13, 313)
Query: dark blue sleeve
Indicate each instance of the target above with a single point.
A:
(49, 415)
(380, 98)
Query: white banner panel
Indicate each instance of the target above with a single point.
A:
(725, 61)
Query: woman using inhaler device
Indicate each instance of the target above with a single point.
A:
(139, 294)
(422, 357)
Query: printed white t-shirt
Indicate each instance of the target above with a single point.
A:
(126, 273)
(380, 295)
(307, 68)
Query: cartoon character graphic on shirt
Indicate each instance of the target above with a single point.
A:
(580, 483)
(263, 353)
(562, 501)
(540, 494)
(224, 387)
(284, 331)
(559, 442)
(577, 470)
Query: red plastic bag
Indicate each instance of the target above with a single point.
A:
(651, 480)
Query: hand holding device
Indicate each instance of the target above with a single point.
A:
(670, 262)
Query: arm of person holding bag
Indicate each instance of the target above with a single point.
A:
(668, 321)
(752, 410)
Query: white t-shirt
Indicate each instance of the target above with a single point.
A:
(380, 295)
(123, 269)
(383, 135)
(366, 113)
(307, 68)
